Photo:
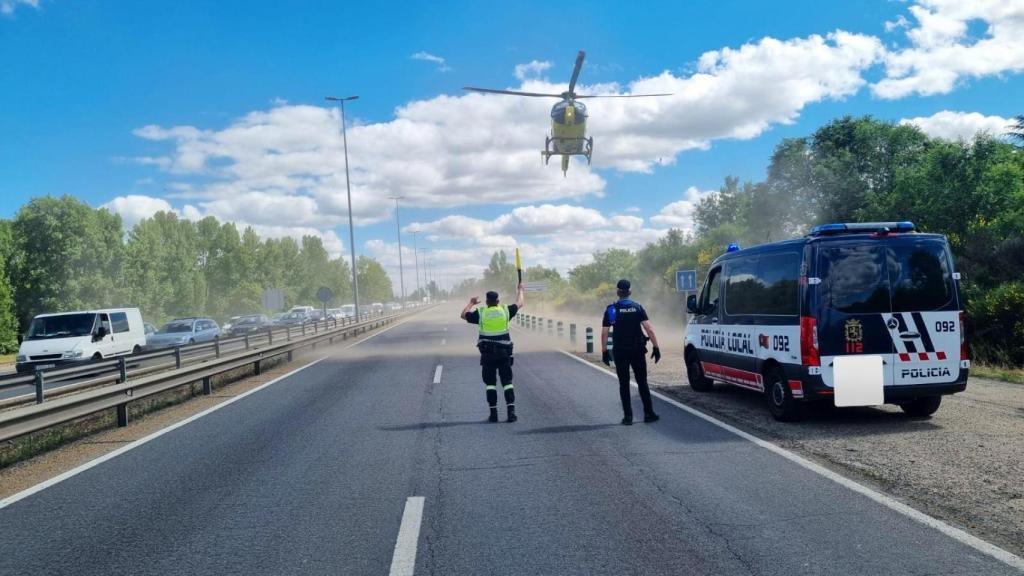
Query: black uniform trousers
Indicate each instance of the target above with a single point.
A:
(635, 358)
(495, 363)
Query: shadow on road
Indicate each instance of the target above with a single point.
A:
(432, 425)
(569, 428)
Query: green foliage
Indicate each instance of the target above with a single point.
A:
(1016, 130)
(66, 256)
(374, 282)
(996, 319)
(61, 254)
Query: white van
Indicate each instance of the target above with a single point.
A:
(307, 310)
(69, 337)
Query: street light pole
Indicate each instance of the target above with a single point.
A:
(416, 258)
(398, 228)
(348, 190)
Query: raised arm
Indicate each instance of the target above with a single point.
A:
(520, 297)
(472, 302)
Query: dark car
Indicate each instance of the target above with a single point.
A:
(248, 325)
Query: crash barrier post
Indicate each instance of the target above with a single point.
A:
(122, 369)
(177, 356)
(572, 333)
(216, 344)
(590, 340)
(561, 331)
(40, 381)
(246, 341)
(551, 325)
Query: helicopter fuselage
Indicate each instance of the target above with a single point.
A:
(568, 127)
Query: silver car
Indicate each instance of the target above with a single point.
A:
(184, 331)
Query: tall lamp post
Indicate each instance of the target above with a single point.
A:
(398, 228)
(348, 189)
(416, 258)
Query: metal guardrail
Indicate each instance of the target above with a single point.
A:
(129, 366)
(130, 385)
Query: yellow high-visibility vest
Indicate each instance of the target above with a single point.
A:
(493, 320)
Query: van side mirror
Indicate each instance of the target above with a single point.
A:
(691, 303)
(100, 334)
(21, 338)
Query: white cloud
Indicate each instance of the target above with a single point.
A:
(558, 236)
(531, 68)
(133, 208)
(942, 51)
(482, 149)
(7, 7)
(679, 214)
(951, 125)
(428, 57)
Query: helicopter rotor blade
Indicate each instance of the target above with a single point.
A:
(621, 96)
(511, 92)
(576, 71)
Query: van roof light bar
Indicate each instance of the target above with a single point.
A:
(861, 228)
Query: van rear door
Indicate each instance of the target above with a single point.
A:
(925, 321)
(854, 303)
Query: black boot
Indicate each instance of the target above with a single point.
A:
(651, 417)
(494, 414)
(627, 420)
(512, 414)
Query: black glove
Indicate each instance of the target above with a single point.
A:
(606, 357)
(656, 354)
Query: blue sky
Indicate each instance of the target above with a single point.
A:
(82, 80)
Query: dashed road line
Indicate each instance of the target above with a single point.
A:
(437, 374)
(403, 563)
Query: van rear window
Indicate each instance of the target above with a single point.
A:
(891, 277)
(921, 276)
(854, 278)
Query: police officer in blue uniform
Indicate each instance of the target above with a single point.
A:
(629, 345)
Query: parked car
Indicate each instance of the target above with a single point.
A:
(185, 331)
(306, 309)
(347, 311)
(71, 337)
(277, 318)
(392, 306)
(316, 315)
(227, 325)
(294, 318)
(248, 324)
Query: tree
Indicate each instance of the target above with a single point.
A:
(374, 282)
(1016, 131)
(67, 256)
(8, 319)
(500, 274)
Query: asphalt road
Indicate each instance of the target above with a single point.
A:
(311, 476)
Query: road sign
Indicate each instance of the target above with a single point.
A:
(272, 299)
(324, 294)
(686, 280)
(538, 286)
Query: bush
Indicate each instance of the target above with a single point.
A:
(995, 324)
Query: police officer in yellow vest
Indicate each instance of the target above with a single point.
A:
(495, 346)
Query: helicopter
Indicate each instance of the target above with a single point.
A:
(568, 118)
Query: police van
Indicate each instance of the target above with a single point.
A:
(774, 318)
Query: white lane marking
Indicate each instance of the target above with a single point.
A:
(443, 341)
(437, 374)
(132, 445)
(954, 533)
(403, 563)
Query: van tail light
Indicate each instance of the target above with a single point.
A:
(809, 355)
(963, 336)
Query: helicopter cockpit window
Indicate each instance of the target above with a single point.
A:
(558, 112)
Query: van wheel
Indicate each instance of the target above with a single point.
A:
(191, 341)
(922, 407)
(781, 404)
(695, 374)
(97, 357)
(137, 350)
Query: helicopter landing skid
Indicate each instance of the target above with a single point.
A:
(584, 145)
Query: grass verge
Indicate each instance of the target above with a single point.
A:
(1012, 375)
